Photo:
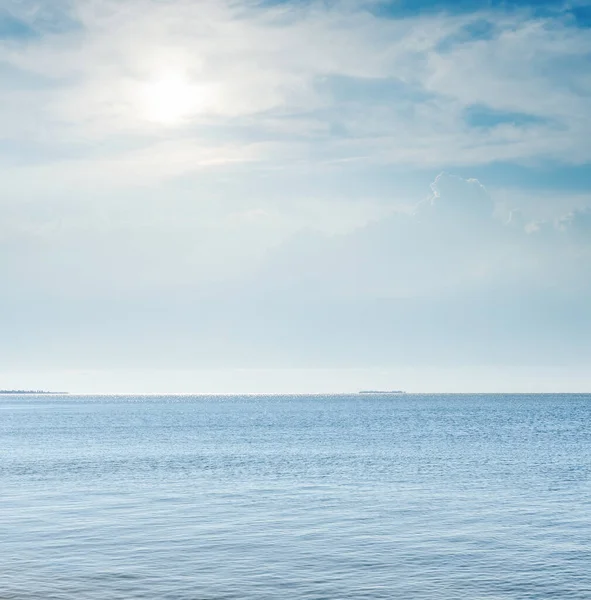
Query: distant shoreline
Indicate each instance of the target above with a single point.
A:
(30, 392)
(382, 392)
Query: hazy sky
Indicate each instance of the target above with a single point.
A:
(295, 195)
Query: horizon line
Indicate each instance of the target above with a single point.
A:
(298, 394)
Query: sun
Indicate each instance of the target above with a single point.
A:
(170, 99)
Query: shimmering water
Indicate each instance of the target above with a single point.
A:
(320, 498)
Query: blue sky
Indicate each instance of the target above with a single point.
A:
(294, 196)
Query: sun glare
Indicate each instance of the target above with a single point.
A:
(170, 99)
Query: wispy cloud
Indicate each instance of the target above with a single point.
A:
(396, 90)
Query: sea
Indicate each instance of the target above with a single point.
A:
(315, 497)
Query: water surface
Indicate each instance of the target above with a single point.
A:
(319, 497)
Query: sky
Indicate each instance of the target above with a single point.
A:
(295, 195)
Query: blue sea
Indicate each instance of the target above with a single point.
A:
(405, 497)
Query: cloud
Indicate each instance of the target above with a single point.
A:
(577, 223)
(451, 239)
(450, 283)
(458, 198)
(311, 81)
(276, 219)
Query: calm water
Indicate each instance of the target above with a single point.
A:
(324, 498)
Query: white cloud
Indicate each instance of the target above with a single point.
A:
(266, 65)
(455, 244)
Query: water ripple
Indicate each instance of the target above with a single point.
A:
(319, 498)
